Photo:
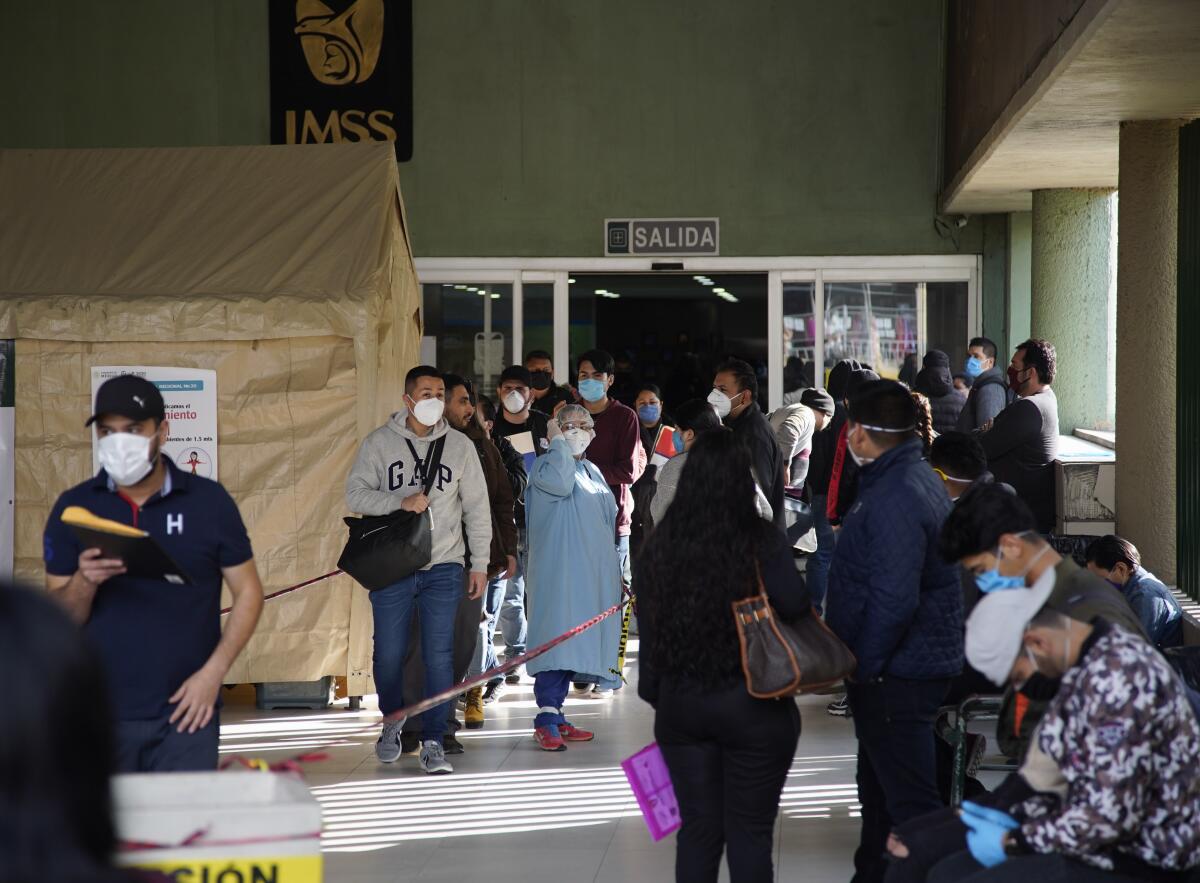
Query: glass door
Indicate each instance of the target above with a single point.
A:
(468, 330)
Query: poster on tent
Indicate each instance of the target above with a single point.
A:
(190, 396)
(8, 454)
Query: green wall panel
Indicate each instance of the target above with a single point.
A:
(808, 127)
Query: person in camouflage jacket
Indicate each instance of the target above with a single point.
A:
(1125, 739)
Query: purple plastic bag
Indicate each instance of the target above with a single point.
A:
(651, 784)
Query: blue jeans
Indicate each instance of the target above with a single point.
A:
(485, 649)
(512, 612)
(550, 691)
(817, 574)
(434, 594)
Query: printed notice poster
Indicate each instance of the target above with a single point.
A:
(190, 395)
(8, 454)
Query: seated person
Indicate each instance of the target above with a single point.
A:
(1116, 560)
(1120, 732)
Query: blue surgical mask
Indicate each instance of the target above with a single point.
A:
(974, 367)
(592, 390)
(680, 444)
(650, 413)
(994, 581)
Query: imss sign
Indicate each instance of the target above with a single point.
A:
(662, 236)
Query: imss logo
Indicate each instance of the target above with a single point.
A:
(342, 48)
(342, 71)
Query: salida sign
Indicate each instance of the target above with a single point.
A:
(662, 236)
(341, 71)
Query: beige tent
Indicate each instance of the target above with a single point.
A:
(285, 269)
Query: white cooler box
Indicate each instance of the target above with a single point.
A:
(239, 827)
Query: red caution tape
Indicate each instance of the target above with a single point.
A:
(504, 668)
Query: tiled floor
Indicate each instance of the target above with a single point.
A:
(514, 813)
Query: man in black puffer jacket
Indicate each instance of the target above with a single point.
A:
(937, 384)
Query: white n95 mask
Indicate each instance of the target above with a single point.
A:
(428, 411)
(514, 402)
(722, 403)
(125, 457)
(578, 440)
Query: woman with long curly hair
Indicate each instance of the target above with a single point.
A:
(728, 753)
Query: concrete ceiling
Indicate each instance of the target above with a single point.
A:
(1119, 60)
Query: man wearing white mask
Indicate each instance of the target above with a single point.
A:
(390, 474)
(162, 646)
(574, 572)
(735, 398)
(526, 430)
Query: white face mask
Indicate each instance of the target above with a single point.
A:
(721, 402)
(514, 402)
(125, 457)
(578, 440)
(859, 461)
(428, 411)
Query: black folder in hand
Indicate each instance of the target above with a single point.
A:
(143, 557)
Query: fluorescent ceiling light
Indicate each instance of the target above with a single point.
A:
(460, 287)
(495, 295)
(719, 291)
(570, 281)
(601, 292)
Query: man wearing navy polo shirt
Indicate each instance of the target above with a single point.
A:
(162, 646)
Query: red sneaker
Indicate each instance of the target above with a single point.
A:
(548, 739)
(572, 733)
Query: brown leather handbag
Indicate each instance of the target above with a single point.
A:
(784, 658)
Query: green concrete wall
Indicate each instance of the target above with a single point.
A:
(807, 127)
(1074, 286)
(1020, 278)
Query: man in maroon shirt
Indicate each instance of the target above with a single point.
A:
(613, 451)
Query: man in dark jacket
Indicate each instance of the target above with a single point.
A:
(735, 397)
(820, 468)
(937, 385)
(989, 386)
(898, 606)
(1022, 443)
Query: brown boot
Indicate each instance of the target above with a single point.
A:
(473, 716)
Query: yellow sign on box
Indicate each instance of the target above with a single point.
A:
(283, 869)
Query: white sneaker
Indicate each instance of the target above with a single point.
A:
(433, 758)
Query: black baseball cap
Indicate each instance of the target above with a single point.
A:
(129, 396)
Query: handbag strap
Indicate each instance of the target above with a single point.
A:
(431, 464)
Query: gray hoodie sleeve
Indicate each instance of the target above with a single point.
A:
(364, 484)
(476, 512)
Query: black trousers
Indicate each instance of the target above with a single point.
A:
(728, 755)
(466, 635)
(897, 769)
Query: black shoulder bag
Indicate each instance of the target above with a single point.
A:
(384, 549)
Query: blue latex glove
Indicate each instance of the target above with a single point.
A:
(987, 828)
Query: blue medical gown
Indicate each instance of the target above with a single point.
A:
(573, 572)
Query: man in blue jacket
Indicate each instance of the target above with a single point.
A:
(898, 606)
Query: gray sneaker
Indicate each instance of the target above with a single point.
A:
(433, 758)
(388, 749)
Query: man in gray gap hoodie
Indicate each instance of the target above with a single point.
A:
(389, 474)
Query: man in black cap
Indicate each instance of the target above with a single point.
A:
(161, 642)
